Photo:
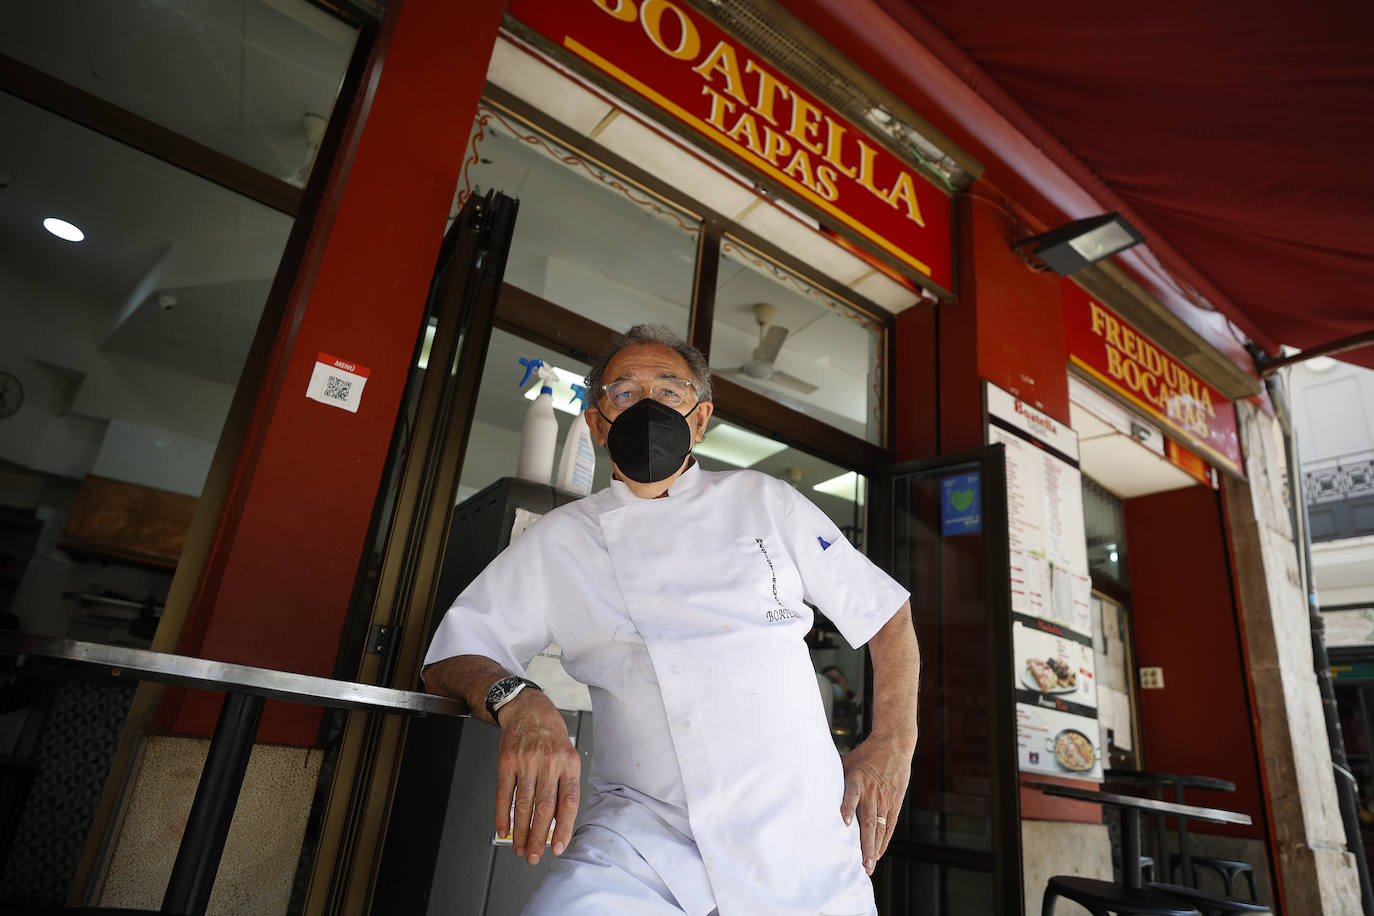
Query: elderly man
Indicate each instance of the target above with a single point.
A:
(679, 596)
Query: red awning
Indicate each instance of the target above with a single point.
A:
(1241, 135)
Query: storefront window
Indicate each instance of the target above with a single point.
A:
(254, 79)
(586, 238)
(794, 343)
(128, 345)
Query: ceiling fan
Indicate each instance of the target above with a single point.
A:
(760, 365)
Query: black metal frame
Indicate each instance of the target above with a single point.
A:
(1003, 860)
(463, 294)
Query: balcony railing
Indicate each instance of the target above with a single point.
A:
(1339, 493)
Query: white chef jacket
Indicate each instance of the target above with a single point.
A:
(684, 616)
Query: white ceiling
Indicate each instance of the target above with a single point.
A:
(236, 75)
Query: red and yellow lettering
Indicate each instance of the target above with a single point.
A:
(800, 168)
(1113, 362)
(775, 145)
(769, 90)
(1099, 319)
(620, 9)
(905, 191)
(720, 107)
(746, 127)
(1114, 333)
(834, 137)
(826, 176)
(722, 60)
(867, 155)
(651, 17)
(806, 123)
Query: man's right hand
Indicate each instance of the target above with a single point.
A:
(539, 769)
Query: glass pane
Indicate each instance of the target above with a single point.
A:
(128, 346)
(254, 79)
(796, 344)
(1104, 524)
(494, 443)
(950, 800)
(586, 238)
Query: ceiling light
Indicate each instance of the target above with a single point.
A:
(63, 229)
(737, 447)
(847, 486)
(562, 391)
(1082, 242)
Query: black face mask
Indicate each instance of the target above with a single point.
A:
(649, 441)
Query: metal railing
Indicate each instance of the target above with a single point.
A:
(1332, 479)
(247, 689)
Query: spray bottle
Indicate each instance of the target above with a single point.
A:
(578, 460)
(541, 426)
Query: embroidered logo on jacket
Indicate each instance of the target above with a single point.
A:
(781, 612)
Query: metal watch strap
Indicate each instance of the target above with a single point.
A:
(505, 690)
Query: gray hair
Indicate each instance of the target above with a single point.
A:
(652, 334)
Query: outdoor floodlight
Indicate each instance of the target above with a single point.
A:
(1082, 242)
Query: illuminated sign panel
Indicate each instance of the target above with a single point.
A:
(1106, 347)
(689, 67)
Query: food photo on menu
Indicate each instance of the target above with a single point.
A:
(1050, 675)
(1058, 743)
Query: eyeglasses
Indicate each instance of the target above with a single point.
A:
(668, 391)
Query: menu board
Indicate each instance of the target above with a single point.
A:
(1058, 731)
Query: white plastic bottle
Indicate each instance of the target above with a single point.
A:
(578, 461)
(541, 427)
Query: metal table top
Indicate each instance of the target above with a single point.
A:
(166, 668)
(1152, 805)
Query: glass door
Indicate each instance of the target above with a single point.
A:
(400, 576)
(941, 530)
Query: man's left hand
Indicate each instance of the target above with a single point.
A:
(875, 780)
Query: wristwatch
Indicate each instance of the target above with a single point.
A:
(505, 690)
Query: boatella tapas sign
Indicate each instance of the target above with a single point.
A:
(689, 67)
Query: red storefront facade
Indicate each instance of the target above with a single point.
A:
(296, 505)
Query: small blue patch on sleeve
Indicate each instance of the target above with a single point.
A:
(825, 545)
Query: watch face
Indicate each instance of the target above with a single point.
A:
(11, 394)
(502, 688)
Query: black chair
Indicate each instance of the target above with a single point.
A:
(1213, 904)
(1106, 898)
(1227, 869)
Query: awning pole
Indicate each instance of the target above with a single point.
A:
(1269, 365)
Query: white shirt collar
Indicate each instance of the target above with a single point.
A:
(689, 479)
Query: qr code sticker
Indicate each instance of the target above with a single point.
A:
(337, 388)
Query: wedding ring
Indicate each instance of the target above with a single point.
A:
(882, 821)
